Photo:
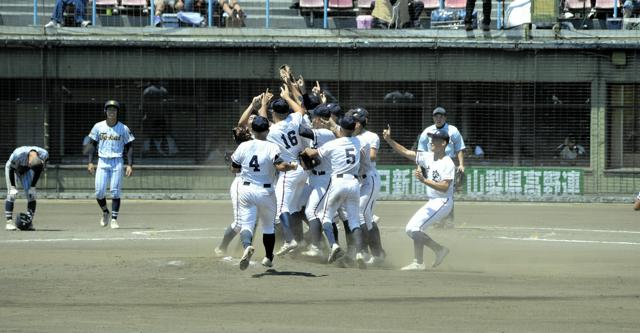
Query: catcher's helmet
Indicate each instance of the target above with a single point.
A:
(111, 103)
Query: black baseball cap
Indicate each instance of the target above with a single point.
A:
(260, 124)
(335, 109)
(440, 134)
(348, 122)
(321, 111)
(439, 110)
(279, 105)
(360, 114)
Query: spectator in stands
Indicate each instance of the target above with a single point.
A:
(569, 150)
(383, 16)
(629, 7)
(486, 15)
(229, 8)
(568, 14)
(57, 18)
(161, 6)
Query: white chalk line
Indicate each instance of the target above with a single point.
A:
(105, 239)
(529, 229)
(152, 232)
(533, 239)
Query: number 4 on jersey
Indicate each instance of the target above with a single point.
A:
(254, 163)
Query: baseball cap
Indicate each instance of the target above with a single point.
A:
(260, 124)
(335, 109)
(439, 134)
(313, 101)
(321, 111)
(439, 110)
(348, 122)
(279, 105)
(112, 104)
(359, 113)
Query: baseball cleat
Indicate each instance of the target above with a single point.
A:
(266, 262)
(114, 224)
(375, 260)
(246, 257)
(313, 251)
(219, 252)
(414, 266)
(336, 252)
(104, 220)
(360, 261)
(10, 225)
(287, 247)
(440, 256)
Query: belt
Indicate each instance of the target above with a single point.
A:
(318, 173)
(263, 185)
(346, 175)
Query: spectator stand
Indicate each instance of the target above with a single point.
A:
(337, 8)
(607, 16)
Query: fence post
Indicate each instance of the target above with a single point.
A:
(209, 15)
(152, 13)
(266, 14)
(35, 12)
(325, 20)
(93, 13)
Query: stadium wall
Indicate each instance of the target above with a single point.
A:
(518, 98)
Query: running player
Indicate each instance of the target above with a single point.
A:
(24, 166)
(113, 140)
(344, 155)
(290, 184)
(437, 171)
(370, 184)
(257, 162)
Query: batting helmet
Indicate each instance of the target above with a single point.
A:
(111, 104)
(24, 222)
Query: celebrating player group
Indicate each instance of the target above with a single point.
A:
(305, 164)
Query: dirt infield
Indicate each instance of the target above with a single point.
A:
(512, 268)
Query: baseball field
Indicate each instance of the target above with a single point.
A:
(513, 267)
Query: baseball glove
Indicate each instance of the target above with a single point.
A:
(25, 222)
(460, 179)
(241, 134)
(307, 162)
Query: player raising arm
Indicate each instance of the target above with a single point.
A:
(437, 171)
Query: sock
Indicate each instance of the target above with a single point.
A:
(269, 242)
(328, 231)
(246, 237)
(8, 209)
(366, 242)
(115, 208)
(103, 204)
(374, 240)
(229, 233)
(285, 220)
(31, 208)
(315, 229)
(357, 239)
(296, 226)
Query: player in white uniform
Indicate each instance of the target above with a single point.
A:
(437, 171)
(319, 178)
(113, 140)
(257, 161)
(636, 203)
(455, 148)
(290, 184)
(24, 166)
(370, 185)
(344, 155)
